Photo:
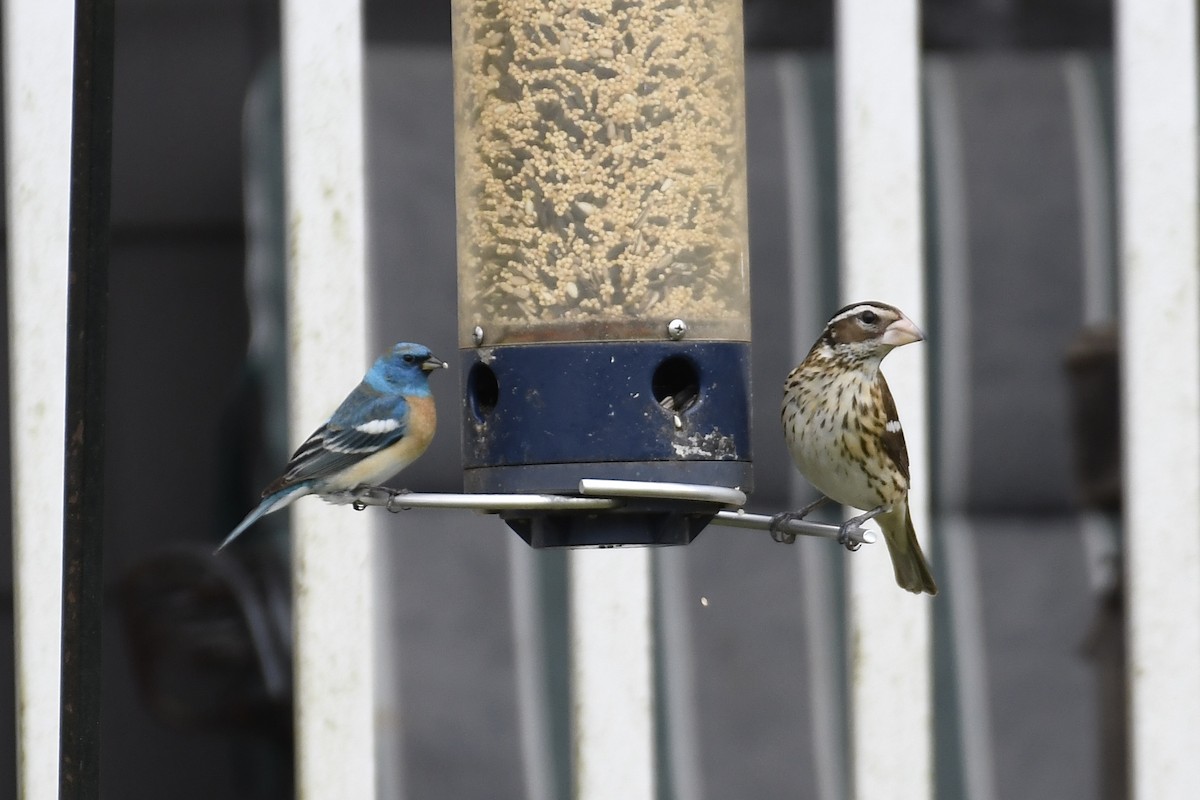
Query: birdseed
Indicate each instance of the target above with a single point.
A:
(601, 168)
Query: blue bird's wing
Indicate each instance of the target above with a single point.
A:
(365, 423)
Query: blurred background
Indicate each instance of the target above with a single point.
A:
(1018, 115)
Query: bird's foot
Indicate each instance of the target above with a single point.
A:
(361, 494)
(780, 521)
(391, 502)
(849, 531)
(345, 497)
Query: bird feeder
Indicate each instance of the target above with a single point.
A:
(602, 256)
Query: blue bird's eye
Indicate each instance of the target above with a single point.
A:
(409, 358)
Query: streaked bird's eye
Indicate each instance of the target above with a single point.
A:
(869, 317)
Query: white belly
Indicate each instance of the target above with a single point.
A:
(836, 478)
(830, 456)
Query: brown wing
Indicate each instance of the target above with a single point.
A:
(892, 438)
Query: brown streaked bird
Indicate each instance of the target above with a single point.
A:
(841, 426)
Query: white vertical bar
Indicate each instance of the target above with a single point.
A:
(332, 547)
(612, 673)
(1160, 333)
(38, 56)
(879, 164)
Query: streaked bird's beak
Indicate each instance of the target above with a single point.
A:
(433, 363)
(902, 331)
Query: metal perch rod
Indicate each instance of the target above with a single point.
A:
(602, 495)
(400, 500)
(762, 522)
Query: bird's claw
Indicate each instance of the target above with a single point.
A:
(847, 532)
(367, 495)
(777, 527)
(780, 520)
(393, 494)
(360, 494)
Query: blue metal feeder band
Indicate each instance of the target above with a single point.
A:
(538, 417)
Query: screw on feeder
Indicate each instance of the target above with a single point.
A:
(676, 329)
(477, 335)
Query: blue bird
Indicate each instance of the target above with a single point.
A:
(379, 429)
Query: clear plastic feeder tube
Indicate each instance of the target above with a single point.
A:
(601, 170)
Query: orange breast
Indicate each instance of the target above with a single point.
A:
(377, 468)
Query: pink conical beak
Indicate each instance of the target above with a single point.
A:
(902, 331)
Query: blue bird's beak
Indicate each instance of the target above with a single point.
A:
(432, 363)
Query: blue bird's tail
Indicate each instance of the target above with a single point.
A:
(272, 502)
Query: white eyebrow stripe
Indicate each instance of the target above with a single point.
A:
(854, 311)
(377, 426)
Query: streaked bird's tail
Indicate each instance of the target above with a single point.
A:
(272, 502)
(911, 568)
